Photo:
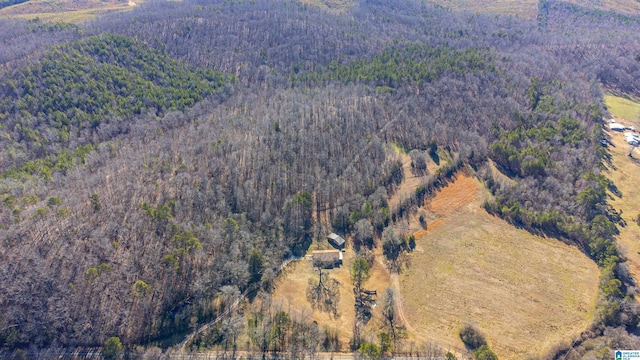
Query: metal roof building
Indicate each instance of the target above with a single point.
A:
(336, 240)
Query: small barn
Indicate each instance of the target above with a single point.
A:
(336, 240)
(327, 259)
(616, 127)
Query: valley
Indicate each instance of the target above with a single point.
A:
(170, 172)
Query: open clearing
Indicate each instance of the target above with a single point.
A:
(529, 8)
(291, 293)
(337, 6)
(624, 171)
(525, 292)
(410, 182)
(69, 11)
(623, 108)
(524, 8)
(631, 7)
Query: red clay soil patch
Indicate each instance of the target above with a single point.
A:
(455, 197)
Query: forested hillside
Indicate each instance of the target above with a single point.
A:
(158, 165)
(53, 106)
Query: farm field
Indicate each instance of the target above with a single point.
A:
(525, 292)
(66, 10)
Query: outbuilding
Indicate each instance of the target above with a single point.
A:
(336, 240)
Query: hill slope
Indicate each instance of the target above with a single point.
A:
(142, 205)
(86, 92)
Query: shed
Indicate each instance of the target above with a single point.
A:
(616, 127)
(336, 240)
(327, 259)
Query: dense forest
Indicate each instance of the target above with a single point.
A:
(159, 164)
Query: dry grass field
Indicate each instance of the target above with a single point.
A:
(631, 7)
(525, 8)
(624, 171)
(526, 293)
(70, 11)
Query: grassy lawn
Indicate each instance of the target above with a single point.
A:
(623, 108)
(525, 292)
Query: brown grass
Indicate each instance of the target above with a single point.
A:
(624, 171)
(70, 11)
(522, 8)
(291, 291)
(631, 7)
(525, 292)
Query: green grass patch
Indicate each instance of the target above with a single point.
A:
(622, 107)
